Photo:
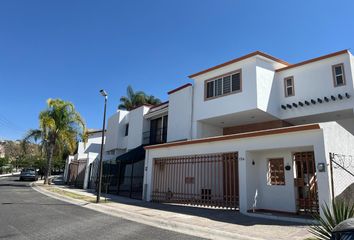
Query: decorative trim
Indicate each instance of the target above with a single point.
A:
(179, 88)
(238, 60)
(313, 60)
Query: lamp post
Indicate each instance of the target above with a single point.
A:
(104, 94)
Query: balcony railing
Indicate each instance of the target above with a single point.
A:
(155, 137)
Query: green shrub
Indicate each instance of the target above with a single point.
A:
(341, 211)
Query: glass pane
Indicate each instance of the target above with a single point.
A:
(218, 87)
(236, 82)
(338, 70)
(210, 89)
(226, 84)
(289, 82)
(289, 91)
(340, 80)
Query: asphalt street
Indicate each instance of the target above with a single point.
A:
(27, 214)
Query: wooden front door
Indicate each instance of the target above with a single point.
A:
(306, 182)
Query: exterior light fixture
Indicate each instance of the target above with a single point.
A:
(319, 100)
(333, 98)
(326, 99)
(295, 105)
(347, 95)
(301, 104)
(283, 107)
(288, 167)
(321, 167)
(340, 96)
(288, 106)
(307, 103)
(313, 101)
(100, 168)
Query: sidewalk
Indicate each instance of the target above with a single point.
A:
(9, 174)
(202, 222)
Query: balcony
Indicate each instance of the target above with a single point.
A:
(156, 136)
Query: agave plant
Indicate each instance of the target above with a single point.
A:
(341, 211)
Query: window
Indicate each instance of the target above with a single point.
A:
(338, 75)
(210, 89)
(289, 86)
(126, 130)
(276, 175)
(227, 84)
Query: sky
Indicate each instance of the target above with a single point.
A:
(70, 49)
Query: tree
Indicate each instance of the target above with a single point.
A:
(136, 99)
(60, 127)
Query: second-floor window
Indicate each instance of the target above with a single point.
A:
(230, 83)
(126, 129)
(289, 86)
(338, 75)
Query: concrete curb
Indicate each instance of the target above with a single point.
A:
(186, 228)
(9, 174)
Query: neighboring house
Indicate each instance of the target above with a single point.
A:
(258, 134)
(79, 168)
(124, 155)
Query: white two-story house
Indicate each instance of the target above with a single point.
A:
(256, 134)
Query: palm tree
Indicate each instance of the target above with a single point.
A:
(150, 99)
(60, 127)
(136, 99)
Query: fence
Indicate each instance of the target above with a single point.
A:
(203, 180)
(342, 176)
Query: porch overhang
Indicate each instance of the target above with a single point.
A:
(135, 155)
(275, 131)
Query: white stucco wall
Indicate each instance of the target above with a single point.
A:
(180, 114)
(204, 130)
(266, 90)
(137, 125)
(312, 81)
(274, 143)
(115, 131)
(262, 193)
(226, 104)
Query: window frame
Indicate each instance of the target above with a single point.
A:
(335, 76)
(278, 171)
(214, 79)
(286, 86)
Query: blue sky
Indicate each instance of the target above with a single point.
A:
(70, 49)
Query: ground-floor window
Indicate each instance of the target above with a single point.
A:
(276, 175)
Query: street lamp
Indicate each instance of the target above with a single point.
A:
(104, 94)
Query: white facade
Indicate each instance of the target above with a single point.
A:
(262, 99)
(196, 124)
(253, 187)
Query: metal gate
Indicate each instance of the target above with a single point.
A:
(203, 180)
(77, 169)
(306, 182)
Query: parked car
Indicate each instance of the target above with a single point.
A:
(344, 230)
(29, 174)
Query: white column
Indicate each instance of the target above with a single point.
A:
(323, 178)
(242, 176)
